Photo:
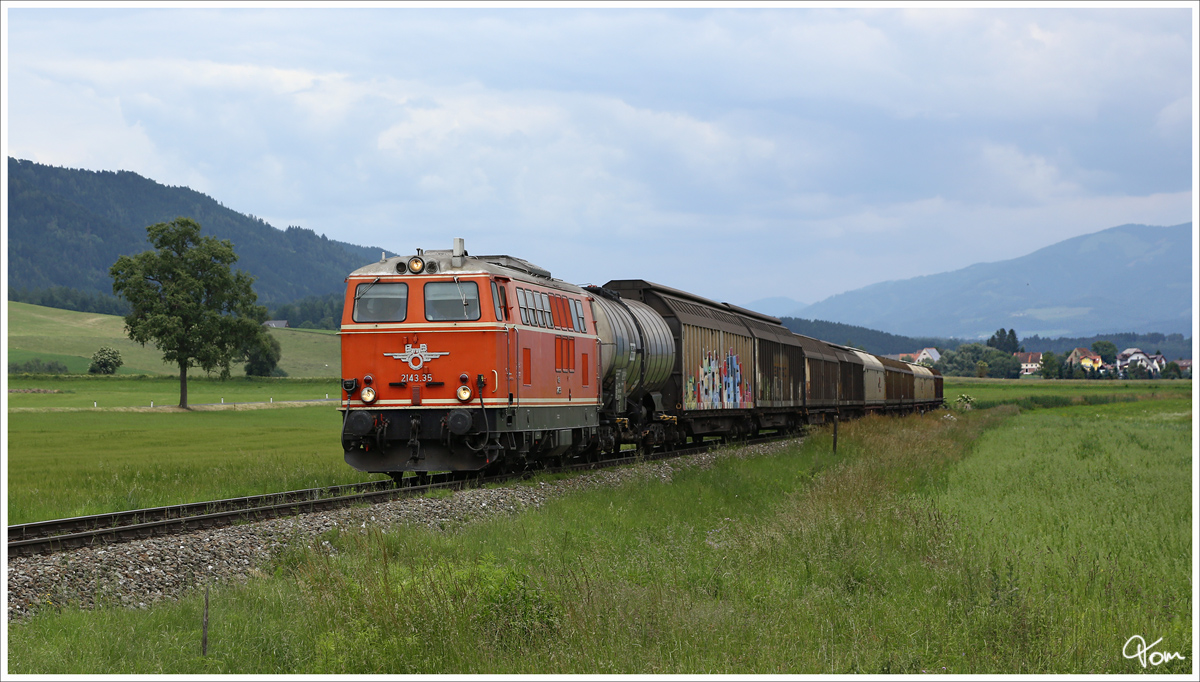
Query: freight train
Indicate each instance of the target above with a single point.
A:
(453, 362)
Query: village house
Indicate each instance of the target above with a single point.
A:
(1137, 357)
(1085, 359)
(275, 324)
(1031, 363)
(929, 355)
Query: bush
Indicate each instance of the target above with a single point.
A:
(106, 361)
(263, 357)
(36, 366)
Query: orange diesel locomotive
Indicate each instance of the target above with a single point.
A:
(453, 362)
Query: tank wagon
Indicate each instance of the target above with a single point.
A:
(453, 362)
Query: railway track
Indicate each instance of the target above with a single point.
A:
(82, 531)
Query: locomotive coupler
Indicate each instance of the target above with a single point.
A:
(414, 437)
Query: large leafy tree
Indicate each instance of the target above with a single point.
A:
(185, 298)
(1107, 350)
(262, 358)
(968, 359)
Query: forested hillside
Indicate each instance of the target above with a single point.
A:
(66, 227)
(870, 340)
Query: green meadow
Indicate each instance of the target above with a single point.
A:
(996, 541)
(79, 391)
(72, 338)
(1029, 393)
(63, 464)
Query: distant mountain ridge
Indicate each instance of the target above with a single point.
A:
(776, 306)
(1130, 278)
(66, 227)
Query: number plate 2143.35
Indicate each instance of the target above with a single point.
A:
(416, 378)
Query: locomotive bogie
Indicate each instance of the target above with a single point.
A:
(461, 440)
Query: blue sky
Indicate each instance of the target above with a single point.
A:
(737, 153)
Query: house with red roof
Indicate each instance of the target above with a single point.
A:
(1085, 358)
(1031, 363)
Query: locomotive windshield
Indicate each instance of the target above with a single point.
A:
(381, 302)
(449, 301)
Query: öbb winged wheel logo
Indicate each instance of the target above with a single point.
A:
(417, 358)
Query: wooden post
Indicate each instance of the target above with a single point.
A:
(204, 629)
(835, 429)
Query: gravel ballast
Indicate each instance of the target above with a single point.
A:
(137, 574)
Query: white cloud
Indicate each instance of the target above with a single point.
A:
(1024, 177)
(1174, 121)
(70, 124)
(863, 144)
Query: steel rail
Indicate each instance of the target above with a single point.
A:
(46, 537)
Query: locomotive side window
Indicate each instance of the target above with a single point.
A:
(522, 306)
(500, 300)
(449, 301)
(546, 307)
(381, 302)
(540, 312)
(579, 318)
(576, 315)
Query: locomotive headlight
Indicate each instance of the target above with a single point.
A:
(463, 393)
(416, 265)
(368, 395)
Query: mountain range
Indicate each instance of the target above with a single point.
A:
(1122, 279)
(66, 227)
(777, 306)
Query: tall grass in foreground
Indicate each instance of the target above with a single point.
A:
(897, 555)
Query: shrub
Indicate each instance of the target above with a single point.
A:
(106, 361)
(36, 366)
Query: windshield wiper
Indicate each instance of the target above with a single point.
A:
(359, 294)
(461, 296)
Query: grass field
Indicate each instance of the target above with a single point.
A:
(1060, 393)
(72, 338)
(995, 542)
(89, 462)
(140, 391)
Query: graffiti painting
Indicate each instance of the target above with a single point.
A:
(718, 384)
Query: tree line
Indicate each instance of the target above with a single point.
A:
(312, 312)
(66, 298)
(995, 359)
(862, 338)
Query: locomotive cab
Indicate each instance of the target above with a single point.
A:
(448, 365)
